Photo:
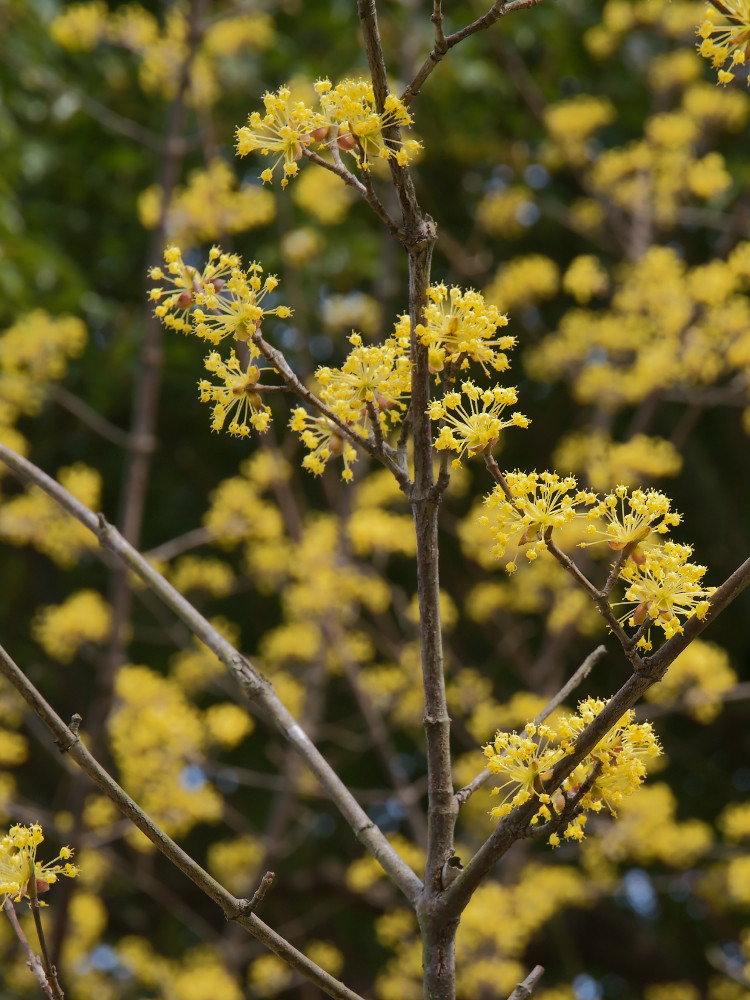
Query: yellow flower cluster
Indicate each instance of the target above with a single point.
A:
(324, 441)
(697, 679)
(726, 36)
(460, 327)
(33, 518)
(628, 524)
(668, 326)
(538, 503)
(603, 461)
(664, 587)
(570, 124)
(237, 398)
(159, 740)
(347, 117)
(523, 280)
(162, 51)
(222, 300)
(477, 428)
(525, 760)
(371, 384)
(33, 353)
(18, 863)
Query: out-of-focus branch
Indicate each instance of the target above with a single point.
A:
(256, 687)
(98, 424)
(239, 910)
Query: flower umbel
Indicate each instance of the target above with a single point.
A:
(541, 501)
(18, 862)
(185, 287)
(522, 759)
(726, 36)
(479, 427)
(350, 108)
(646, 511)
(221, 301)
(285, 130)
(324, 441)
(238, 397)
(459, 327)
(665, 588)
(379, 374)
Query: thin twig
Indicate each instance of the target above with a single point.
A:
(265, 884)
(364, 190)
(234, 909)
(443, 44)
(49, 969)
(87, 415)
(33, 961)
(524, 990)
(256, 687)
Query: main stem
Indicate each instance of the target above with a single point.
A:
(438, 933)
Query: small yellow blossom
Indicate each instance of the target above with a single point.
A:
(285, 130)
(238, 397)
(522, 759)
(664, 588)
(185, 287)
(459, 327)
(18, 862)
(646, 511)
(324, 441)
(541, 501)
(726, 36)
(350, 108)
(479, 427)
(379, 374)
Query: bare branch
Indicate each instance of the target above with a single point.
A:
(33, 961)
(524, 990)
(443, 44)
(365, 190)
(256, 687)
(234, 909)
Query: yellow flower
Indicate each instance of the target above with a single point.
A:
(540, 502)
(285, 129)
(379, 374)
(350, 108)
(522, 759)
(324, 441)
(238, 395)
(223, 300)
(459, 327)
(647, 511)
(726, 36)
(664, 588)
(479, 427)
(186, 288)
(18, 862)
